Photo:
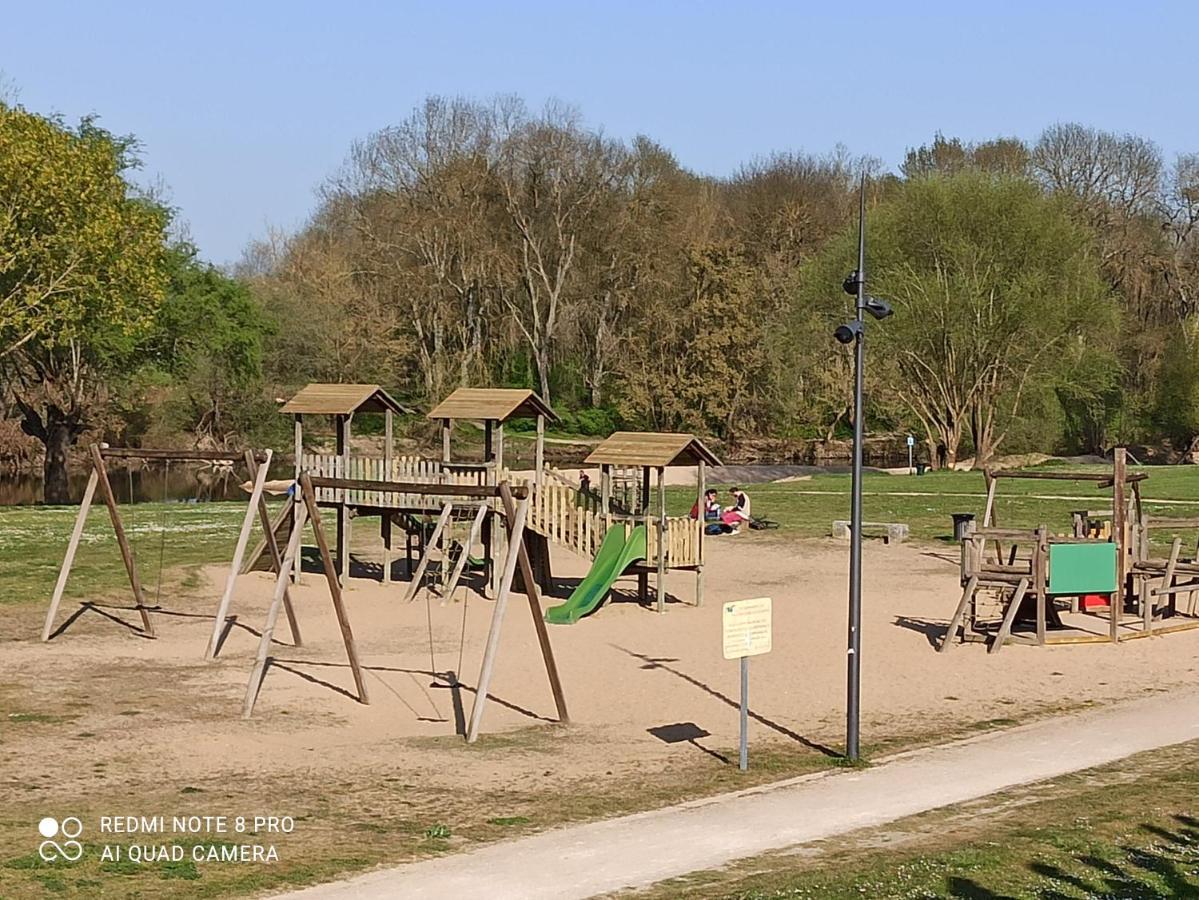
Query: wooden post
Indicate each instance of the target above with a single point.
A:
(122, 541)
(643, 576)
(539, 453)
(385, 534)
(1009, 616)
(1119, 527)
(239, 550)
(499, 450)
(343, 510)
(661, 539)
(952, 631)
(446, 425)
(272, 547)
(702, 489)
(490, 572)
(1040, 568)
(515, 542)
(430, 546)
(258, 672)
(388, 444)
(473, 535)
(531, 591)
(299, 442)
(605, 488)
(347, 636)
(69, 559)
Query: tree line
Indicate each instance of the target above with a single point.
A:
(1045, 290)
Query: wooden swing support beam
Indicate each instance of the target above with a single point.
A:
(515, 504)
(257, 463)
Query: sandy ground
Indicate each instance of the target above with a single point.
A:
(157, 705)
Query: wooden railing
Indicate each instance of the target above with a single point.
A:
(558, 509)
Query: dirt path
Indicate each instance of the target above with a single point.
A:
(637, 851)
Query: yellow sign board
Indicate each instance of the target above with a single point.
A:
(746, 627)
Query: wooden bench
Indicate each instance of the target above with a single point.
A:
(896, 532)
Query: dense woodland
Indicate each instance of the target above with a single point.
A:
(1046, 289)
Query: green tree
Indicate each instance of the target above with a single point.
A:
(995, 289)
(82, 272)
(207, 340)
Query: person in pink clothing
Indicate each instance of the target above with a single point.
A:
(738, 514)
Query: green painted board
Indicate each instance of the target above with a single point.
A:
(1082, 568)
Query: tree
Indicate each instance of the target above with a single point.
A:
(82, 272)
(207, 338)
(994, 286)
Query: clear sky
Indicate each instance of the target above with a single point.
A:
(244, 108)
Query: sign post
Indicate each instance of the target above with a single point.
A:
(911, 444)
(746, 633)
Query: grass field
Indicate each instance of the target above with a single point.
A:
(33, 539)
(926, 503)
(1129, 830)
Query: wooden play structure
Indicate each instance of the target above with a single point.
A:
(257, 465)
(514, 505)
(671, 542)
(1058, 585)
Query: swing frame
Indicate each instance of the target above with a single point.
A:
(257, 464)
(514, 504)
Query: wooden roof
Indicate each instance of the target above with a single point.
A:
(342, 399)
(496, 404)
(654, 448)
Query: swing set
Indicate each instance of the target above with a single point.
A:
(514, 507)
(257, 464)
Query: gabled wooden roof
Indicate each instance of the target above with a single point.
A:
(496, 404)
(342, 399)
(653, 448)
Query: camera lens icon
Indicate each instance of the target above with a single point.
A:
(70, 828)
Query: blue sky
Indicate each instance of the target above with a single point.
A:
(244, 108)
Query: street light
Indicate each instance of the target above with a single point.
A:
(855, 332)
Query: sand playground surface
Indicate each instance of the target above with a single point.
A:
(149, 707)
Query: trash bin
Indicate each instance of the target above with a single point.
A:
(921, 468)
(959, 524)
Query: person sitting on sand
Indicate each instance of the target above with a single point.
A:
(739, 512)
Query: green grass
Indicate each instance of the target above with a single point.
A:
(1130, 830)
(927, 502)
(33, 540)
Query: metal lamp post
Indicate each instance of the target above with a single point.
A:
(855, 331)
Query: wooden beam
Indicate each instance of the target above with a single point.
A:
(661, 580)
(343, 621)
(122, 541)
(176, 455)
(476, 526)
(956, 620)
(1116, 607)
(276, 558)
(258, 672)
(1009, 616)
(515, 543)
(702, 489)
(526, 573)
(430, 546)
(539, 452)
(239, 550)
(69, 560)
(422, 488)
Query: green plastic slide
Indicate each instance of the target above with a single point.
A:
(615, 555)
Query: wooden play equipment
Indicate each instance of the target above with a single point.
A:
(514, 504)
(1038, 577)
(672, 542)
(257, 464)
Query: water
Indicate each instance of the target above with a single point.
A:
(181, 482)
